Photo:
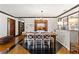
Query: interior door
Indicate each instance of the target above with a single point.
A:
(11, 27)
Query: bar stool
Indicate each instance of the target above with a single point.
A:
(46, 42)
(30, 42)
(38, 43)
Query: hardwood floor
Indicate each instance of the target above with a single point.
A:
(60, 49)
(21, 50)
(63, 50)
(8, 45)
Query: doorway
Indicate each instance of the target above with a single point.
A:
(20, 27)
(11, 27)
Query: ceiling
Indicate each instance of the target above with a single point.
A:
(35, 10)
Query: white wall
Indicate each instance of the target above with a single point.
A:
(29, 24)
(16, 25)
(3, 24)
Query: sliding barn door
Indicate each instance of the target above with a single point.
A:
(11, 27)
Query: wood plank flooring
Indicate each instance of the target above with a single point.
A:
(10, 43)
(63, 50)
(21, 50)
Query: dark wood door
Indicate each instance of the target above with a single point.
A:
(11, 27)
